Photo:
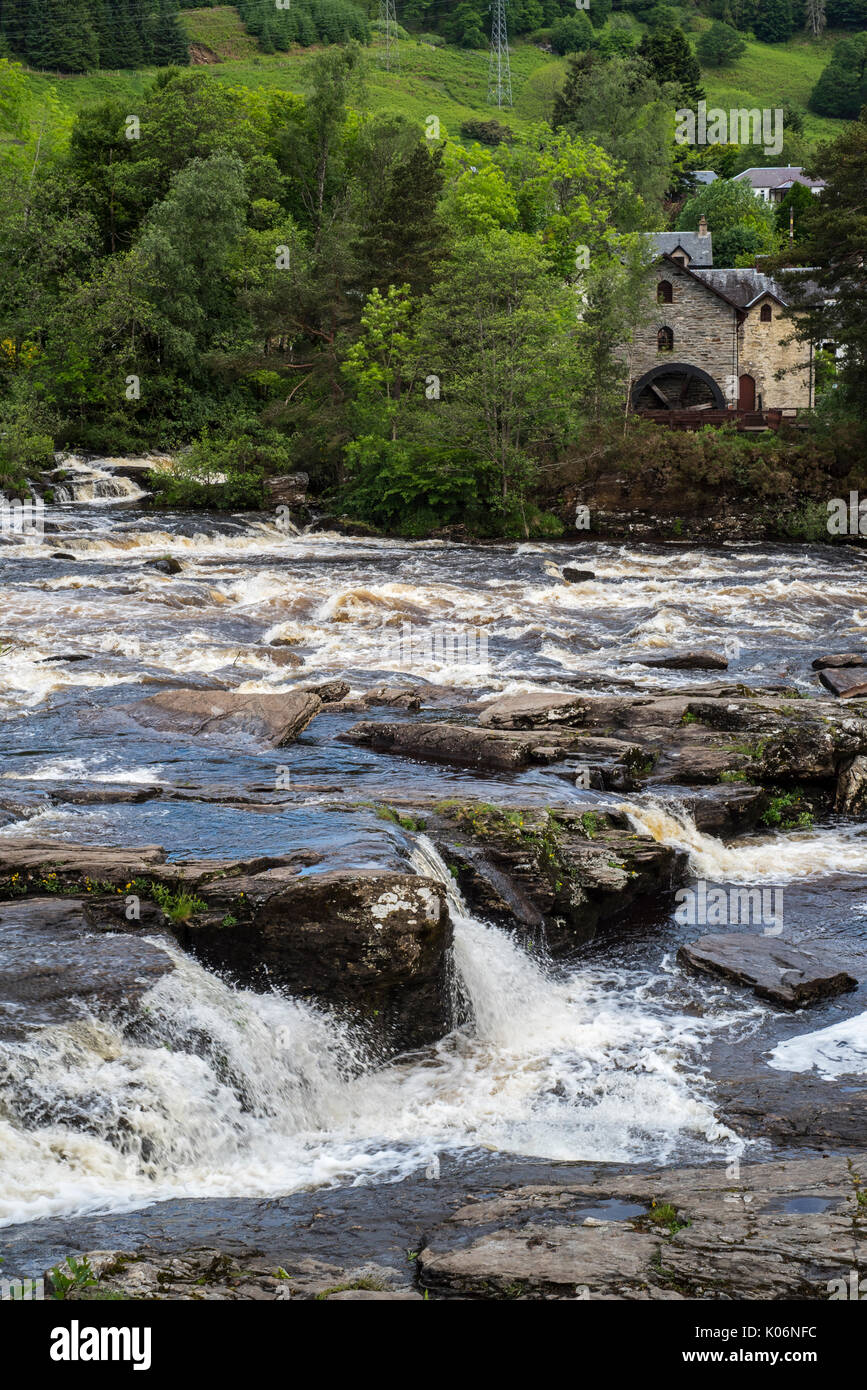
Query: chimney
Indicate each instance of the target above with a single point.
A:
(702, 225)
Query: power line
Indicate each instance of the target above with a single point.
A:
(499, 71)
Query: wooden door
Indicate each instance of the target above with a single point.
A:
(747, 393)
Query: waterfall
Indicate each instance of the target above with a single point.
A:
(761, 858)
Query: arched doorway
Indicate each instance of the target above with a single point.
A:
(677, 386)
(746, 392)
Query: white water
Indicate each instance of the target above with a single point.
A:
(214, 1091)
(840, 1050)
(767, 858)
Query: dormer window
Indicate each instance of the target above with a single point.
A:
(679, 256)
(766, 314)
(665, 340)
(663, 292)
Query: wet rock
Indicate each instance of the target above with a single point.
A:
(533, 711)
(687, 661)
(846, 682)
(282, 656)
(274, 719)
(824, 663)
(287, 490)
(730, 808)
(166, 564)
(449, 743)
(212, 1275)
(576, 576)
(705, 1235)
(851, 797)
(67, 656)
(772, 968)
(372, 943)
(567, 874)
(50, 970)
(62, 555)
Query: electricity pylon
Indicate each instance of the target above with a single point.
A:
(388, 50)
(499, 72)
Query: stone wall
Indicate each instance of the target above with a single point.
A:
(703, 326)
(763, 351)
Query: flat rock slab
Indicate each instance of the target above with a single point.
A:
(274, 719)
(687, 661)
(772, 968)
(847, 682)
(824, 663)
(533, 710)
(52, 969)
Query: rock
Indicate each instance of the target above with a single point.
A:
(51, 969)
(687, 661)
(287, 490)
(702, 1235)
(576, 576)
(824, 663)
(274, 719)
(846, 682)
(62, 555)
(774, 969)
(67, 656)
(566, 873)
(448, 743)
(370, 942)
(533, 710)
(851, 797)
(166, 564)
(282, 656)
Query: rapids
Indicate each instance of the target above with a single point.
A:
(212, 1090)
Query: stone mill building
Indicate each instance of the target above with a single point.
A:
(719, 339)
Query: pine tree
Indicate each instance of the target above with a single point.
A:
(40, 48)
(669, 55)
(774, 22)
(404, 238)
(167, 40)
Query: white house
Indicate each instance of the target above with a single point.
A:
(772, 185)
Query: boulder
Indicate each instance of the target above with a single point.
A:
(773, 969)
(369, 942)
(851, 797)
(847, 682)
(274, 719)
(166, 564)
(534, 710)
(575, 576)
(825, 663)
(448, 743)
(287, 490)
(687, 661)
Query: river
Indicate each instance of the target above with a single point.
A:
(210, 1090)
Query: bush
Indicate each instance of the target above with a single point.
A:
(487, 132)
(24, 450)
(572, 34)
(226, 471)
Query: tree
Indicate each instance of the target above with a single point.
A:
(499, 334)
(842, 88)
(405, 237)
(835, 241)
(669, 56)
(795, 212)
(742, 225)
(622, 109)
(572, 33)
(816, 17)
(774, 22)
(719, 46)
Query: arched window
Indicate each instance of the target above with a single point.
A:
(766, 314)
(664, 340)
(663, 292)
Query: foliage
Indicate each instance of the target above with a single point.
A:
(842, 88)
(720, 45)
(742, 225)
(225, 470)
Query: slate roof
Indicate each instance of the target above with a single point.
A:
(698, 248)
(743, 287)
(777, 178)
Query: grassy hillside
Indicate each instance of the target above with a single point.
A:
(450, 83)
(770, 73)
